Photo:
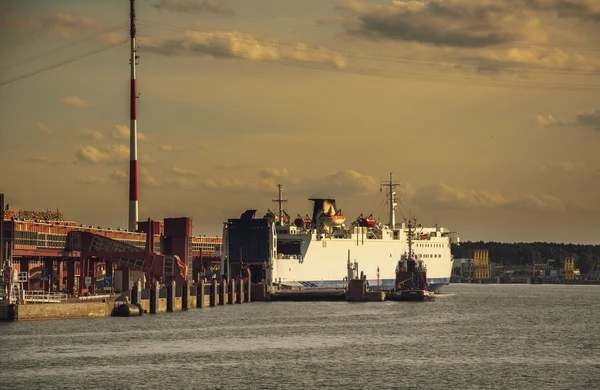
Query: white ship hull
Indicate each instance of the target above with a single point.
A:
(324, 261)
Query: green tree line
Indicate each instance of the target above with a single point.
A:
(587, 257)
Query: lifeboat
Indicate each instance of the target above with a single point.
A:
(299, 222)
(307, 222)
(331, 219)
(367, 222)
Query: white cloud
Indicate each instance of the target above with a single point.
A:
(187, 6)
(232, 44)
(170, 148)
(443, 196)
(106, 154)
(92, 134)
(122, 132)
(64, 25)
(47, 160)
(184, 172)
(147, 179)
(74, 101)
(90, 180)
(273, 173)
(589, 119)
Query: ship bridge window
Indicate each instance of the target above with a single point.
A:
(396, 234)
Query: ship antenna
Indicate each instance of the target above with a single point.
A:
(133, 167)
(391, 186)
(280, 202)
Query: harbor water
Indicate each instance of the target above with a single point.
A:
(471, 336)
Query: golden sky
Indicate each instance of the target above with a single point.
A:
(487, 112)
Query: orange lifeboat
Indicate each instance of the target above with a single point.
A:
(330, 219)
(366, 222)
(307, 222)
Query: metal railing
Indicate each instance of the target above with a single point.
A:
(40, 296)
(92, 297)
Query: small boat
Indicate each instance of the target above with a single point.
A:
(411, 277)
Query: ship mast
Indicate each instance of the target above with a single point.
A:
(280, 201)
(391, 186)
(410, 238)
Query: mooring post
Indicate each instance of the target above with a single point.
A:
(223, 292)
(214, 293)
(248, 288)
(185, 297)
(240, 291)
(171, 290)
(231, 299)
(200, 294)
(136, 293)
(154, 297)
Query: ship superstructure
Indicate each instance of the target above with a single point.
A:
(312, 251)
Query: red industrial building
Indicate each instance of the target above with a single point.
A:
(65, 256)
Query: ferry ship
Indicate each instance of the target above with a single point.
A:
(312, 251)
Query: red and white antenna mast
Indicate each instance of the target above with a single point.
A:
(133, 168)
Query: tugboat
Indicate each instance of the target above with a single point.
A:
(411, 276)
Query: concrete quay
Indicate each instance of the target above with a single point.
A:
(157, 299)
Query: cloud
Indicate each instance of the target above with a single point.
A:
(74, 101)
(119, 177)
(518, 59)
(566, 166)
(170, 148)
(121, 132)
(227, 166)
(92, 134)
(232, 44)
(184, 172)
(590, 120)
(147, 179)
(272, 173)
(458, 23)
(64, 25)
(43, 128)
(187, 6)
(106, 154)
(443, 196)
(48, 161)
(90, 180)
(203, 146)
(347, 182)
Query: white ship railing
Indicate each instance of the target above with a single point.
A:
(40, 296)
(92, 297)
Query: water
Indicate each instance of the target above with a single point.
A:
(473, 336)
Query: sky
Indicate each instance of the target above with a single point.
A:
(486, 111)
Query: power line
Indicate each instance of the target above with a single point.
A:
(61, 63)
(380, 72)
(68, 45)
(522, 68)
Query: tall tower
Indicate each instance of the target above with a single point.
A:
(133, 166)
(391, 186)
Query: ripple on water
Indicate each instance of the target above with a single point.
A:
(473, 336)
